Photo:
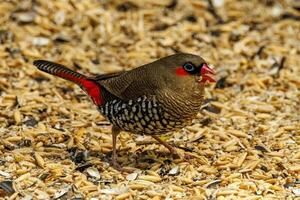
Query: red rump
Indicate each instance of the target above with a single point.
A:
(90, 87)
(93, 90)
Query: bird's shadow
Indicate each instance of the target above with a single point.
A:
(139, 159)
(142, 159)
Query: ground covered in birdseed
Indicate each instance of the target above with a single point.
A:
(244, 145)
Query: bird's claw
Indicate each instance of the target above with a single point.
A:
(180, 155)
(119, 168)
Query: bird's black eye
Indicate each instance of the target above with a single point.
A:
(189, 67)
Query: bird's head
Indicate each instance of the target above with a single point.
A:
(186, 73)
(192, 66)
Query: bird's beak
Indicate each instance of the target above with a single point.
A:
(207, 74)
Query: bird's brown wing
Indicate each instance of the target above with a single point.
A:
(131, 84)
(102, 77)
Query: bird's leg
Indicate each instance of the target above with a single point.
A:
(115, 133)
(171, 149)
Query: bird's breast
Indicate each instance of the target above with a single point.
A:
(147, 115)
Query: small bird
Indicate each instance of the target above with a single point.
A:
(152, 99)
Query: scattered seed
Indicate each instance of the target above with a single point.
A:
(38, 158)
(261, 148)
(132, 176)
(174, 171)
(213, 183)
(126, 6)
(31, 122)
(7, 186)
(150, 178)
(93, 172)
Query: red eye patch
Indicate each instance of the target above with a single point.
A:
(181, 72)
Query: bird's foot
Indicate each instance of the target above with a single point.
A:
(173, 150)
(118, 167)
(181, 155)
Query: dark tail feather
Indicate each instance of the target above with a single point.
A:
(60, 71)
(91, 87)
